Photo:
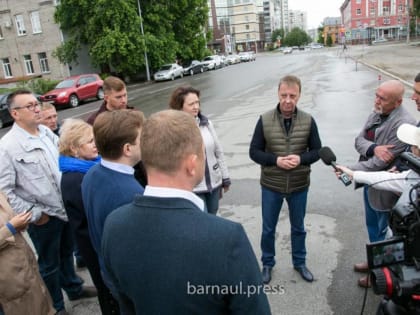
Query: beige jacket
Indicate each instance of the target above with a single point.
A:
(22, 290)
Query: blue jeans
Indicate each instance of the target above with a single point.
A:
(271, 203)
(53, 242)
(376, 221)
(211, 200)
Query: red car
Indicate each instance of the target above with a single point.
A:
(75, 89)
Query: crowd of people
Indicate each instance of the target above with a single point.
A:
(130, 196)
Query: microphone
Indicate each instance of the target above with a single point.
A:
(412, 161)
(328, 157)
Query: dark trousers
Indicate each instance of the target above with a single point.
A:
(53, 242)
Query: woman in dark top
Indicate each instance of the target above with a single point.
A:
(78, 154)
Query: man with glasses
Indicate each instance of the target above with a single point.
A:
(378, 145)
(30, 178)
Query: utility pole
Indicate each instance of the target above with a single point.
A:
(144, 42)
(408, 21)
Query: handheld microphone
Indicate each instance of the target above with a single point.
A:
(328, 157)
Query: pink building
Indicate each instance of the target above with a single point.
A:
(367, 20)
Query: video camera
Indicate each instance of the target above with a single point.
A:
(394, 264)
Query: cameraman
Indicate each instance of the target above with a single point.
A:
(384, 180)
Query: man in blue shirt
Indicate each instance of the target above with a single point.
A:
(111, 183)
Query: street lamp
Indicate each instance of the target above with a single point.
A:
(144, 42)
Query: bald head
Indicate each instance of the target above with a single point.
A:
(395, 88)
(389, 96)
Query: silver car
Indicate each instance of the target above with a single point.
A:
(169, 72)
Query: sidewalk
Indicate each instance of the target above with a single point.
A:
(398, 60)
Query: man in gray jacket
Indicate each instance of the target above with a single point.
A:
(378, 145)
(30, 178)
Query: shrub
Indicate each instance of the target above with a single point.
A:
(38, 85)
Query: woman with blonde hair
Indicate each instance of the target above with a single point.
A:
(216, 176)
(78, 154)
(22, 290)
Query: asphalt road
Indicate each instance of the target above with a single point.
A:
(340, 96)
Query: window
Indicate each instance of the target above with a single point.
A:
(400, 8)
(248, 36)
(358, 1)
(36, 23)
(372, 11)
(29, 67)
(386, 10)
(358, 12)
(1, 33)
(6, 68)
(387, 20)
(20, 26)
(247, 27)
(43, 62)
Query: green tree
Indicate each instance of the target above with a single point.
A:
(297, 37)
(416, 8)
(320, 32)
(329, 40)
(110, 29)
(276, 34)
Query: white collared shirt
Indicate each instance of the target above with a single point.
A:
(165, 192)
(118, 167)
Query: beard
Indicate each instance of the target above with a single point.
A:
(378, 110)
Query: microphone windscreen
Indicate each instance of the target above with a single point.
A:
(327, 155)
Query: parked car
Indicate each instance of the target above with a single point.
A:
(379, 40)
(5, 117)
(287, 50)
(212, 62)
(193, 67)
(316, 46)
(75, 89)
(244, 56)
(233, 59)
(169, 72)
(252, 56)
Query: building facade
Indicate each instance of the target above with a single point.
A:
(332, 28)
(28, 38)
(367, 20)
(240, 25)
(298, 19)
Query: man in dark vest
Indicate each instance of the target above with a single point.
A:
(285, 143)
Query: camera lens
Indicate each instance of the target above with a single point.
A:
(382, 283)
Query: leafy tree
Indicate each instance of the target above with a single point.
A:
(416, 8)
(111, 31)
(329, 40)
(297, 37)
(276, 34)
(320, 32)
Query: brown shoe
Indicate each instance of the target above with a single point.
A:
(364, 282)
(361, 267)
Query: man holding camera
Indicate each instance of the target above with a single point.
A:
(378, 145)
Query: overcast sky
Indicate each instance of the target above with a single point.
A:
(317, 10)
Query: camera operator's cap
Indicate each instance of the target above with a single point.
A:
(409, 134)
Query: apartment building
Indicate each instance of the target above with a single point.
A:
(366, 20)
(239, 25)
(28, 37)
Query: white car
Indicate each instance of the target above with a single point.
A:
(169, 72)
(212, 62)
(379, 40)
(287, 50)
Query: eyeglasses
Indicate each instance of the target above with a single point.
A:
(30, 107)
